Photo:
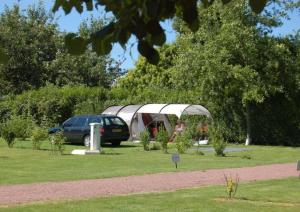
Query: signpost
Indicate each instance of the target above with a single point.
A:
(176, 159)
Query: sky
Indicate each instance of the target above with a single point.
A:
(71, 22)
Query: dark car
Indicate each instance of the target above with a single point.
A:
(113, 129)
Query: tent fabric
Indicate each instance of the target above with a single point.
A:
(151, 108)
(112, 110)
(185, 109)
(137, 122)
(127, 113)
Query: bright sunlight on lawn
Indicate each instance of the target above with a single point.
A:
(21, 164)
(275, 195)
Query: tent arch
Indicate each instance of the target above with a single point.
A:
(133, 114)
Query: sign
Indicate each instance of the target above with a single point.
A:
(175, 159)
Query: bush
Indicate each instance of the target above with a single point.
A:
(58, 142)
(16, 127)
(156, 146)
(162, 137)
(217, 138)
(182, 142)
(37, 136)
(52, 105)
(145, 140)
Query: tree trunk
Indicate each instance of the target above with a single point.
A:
(248, 122)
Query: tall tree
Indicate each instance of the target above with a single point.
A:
(23, 36)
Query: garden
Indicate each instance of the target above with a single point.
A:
(225, 56)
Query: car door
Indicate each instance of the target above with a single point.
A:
(79, 129)
(67, 127)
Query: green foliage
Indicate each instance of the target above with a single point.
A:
(31, 65)
(58, 142)
(182, 142)
(51, 105)
(16, 127)
(216, 137)
(231, 185)
(145, 140)
(38, 134)
(139, 18)
(156, 146)
(163, 138)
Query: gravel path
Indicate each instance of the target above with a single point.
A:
(84, 189)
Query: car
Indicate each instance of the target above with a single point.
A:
(76, 129)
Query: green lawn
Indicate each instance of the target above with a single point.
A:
(21, 164)
(275, 195)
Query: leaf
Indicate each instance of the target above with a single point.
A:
(123, 36)
(3, 57)
(89, 5)
(77, 4)
(67, 7)
(57, 5)
(149, 52)
(75, 45)
(101, 46)
(158, 36)
(257, 5)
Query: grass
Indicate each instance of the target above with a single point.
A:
(275, 195)
(21, 164)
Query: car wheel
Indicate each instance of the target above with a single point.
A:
(116, 143)
(86, 140)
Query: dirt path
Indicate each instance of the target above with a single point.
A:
(84, 189)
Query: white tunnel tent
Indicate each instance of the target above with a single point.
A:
(139, 117)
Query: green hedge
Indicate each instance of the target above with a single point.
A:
(52, 105)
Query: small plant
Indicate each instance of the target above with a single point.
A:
(231, 185)
(58, 142)
(246, 157)
(163, 138)
(156, 146)
(38, 134)
(145, 140)
(182, 143)
(217, 138)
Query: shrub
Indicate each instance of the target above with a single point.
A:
(217, 139)
(156, 146)
(58, 142)
(145, 140)
(37, 136)
(16, 127)
(162, 137)
(182, 142)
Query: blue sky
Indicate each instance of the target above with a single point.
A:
(71, 22)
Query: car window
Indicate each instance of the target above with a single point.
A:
(80, 122)
(106, 121)
(69, 122)
(95, 120)
(116, 121)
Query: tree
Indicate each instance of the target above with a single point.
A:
(139, 18)
(234, 68)
(23, 36)
(86, 69)
(33, 62)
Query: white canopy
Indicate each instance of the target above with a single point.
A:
(133, 114)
